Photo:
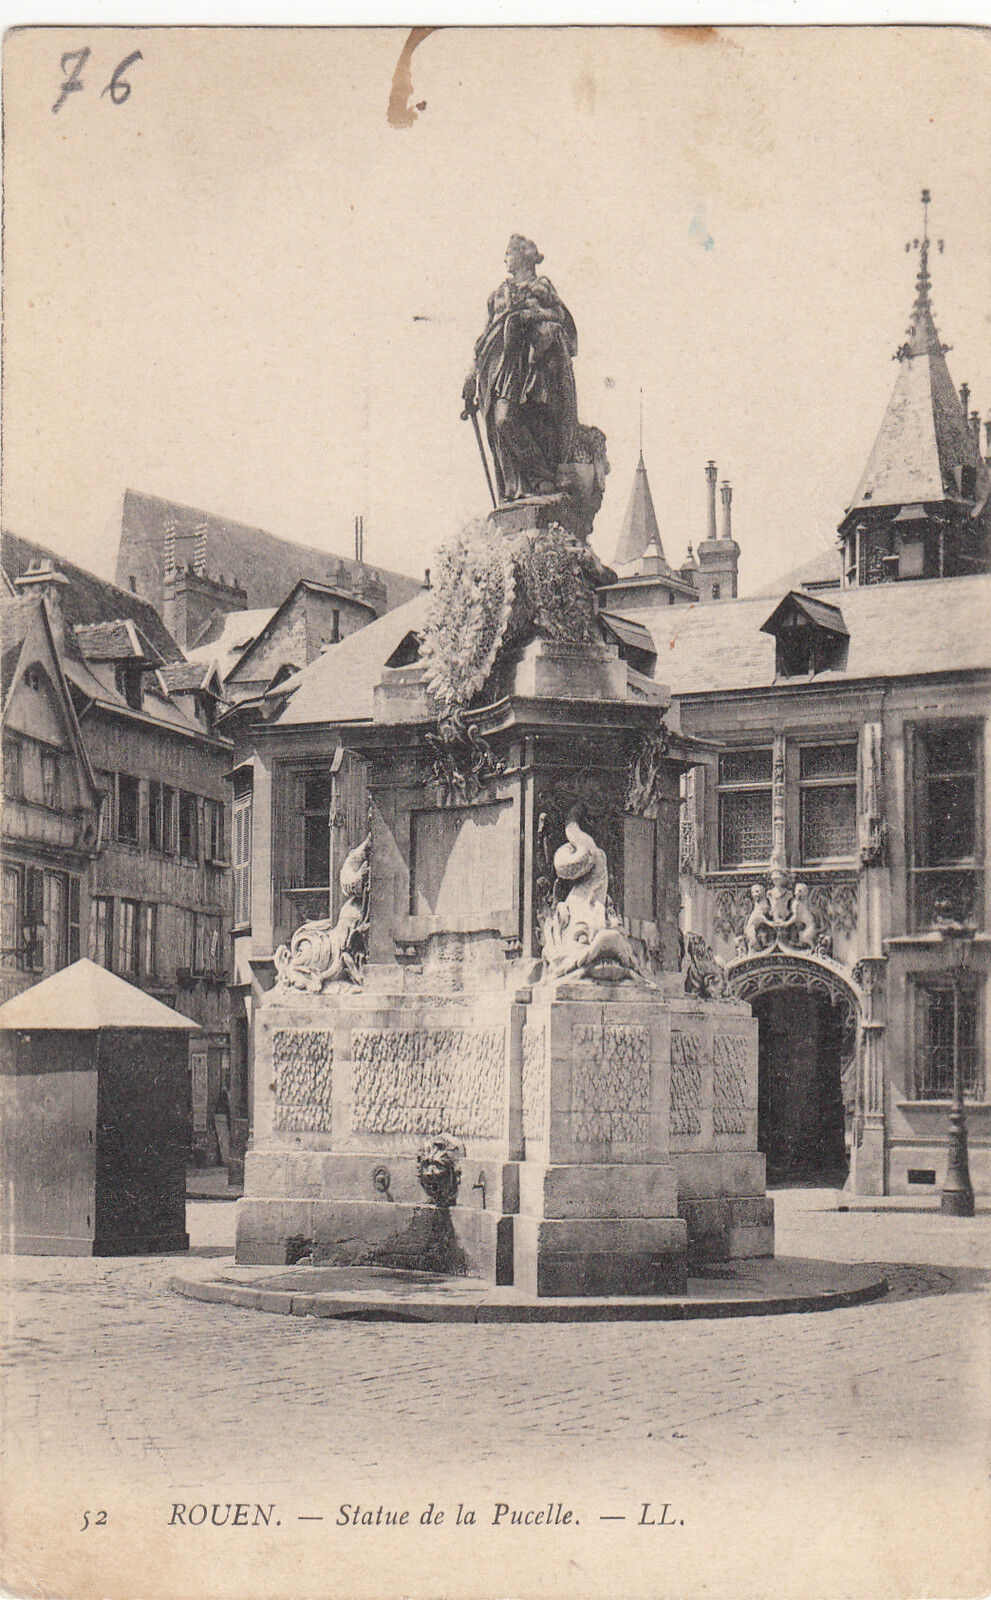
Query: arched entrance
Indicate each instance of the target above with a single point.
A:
(807, 1010)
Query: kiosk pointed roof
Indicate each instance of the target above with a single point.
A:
(83, 997)
(640, 528)
(925, 438)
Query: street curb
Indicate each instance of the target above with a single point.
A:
(355, 1305)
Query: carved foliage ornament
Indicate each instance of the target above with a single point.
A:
(645, 784)
(463, 760)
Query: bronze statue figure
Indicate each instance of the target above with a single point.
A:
(522, 380)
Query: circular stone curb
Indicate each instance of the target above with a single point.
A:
(469, 1301)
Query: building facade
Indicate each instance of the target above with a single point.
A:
(841, 823)
(115, 827)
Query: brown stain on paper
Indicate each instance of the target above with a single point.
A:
(402, 112)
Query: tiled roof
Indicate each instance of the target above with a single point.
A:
(821, 612)
(338, 685)
(114, 641)
(896, 630)
(266, 566)
(925, 436)
(227, 635)
(640, 522)
(88, 599)
(179, 675)
(821, 571)
(16, 620)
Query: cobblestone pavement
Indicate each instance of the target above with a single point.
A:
(876, 1416)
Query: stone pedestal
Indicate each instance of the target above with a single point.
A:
(608, 1128)
(598, 1191)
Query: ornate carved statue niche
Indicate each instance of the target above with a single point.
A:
(325, 952)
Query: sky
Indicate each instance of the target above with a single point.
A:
(246, 289)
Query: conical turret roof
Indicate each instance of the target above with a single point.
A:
(925, 438)
(640, 523)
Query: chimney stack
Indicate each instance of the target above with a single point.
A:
(965, 396)
(726, 490)
(975, 424)
(359, 538)
(43, 578)
(711, 475)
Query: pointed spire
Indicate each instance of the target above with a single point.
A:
(925, 438)
(640, 529)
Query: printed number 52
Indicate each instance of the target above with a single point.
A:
(99, 1520)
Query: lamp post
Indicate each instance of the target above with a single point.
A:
(957, 1198)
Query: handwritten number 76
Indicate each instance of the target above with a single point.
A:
(118, 88)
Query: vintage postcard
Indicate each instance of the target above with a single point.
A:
(496, 591)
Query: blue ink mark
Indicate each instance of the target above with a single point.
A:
(699, 229)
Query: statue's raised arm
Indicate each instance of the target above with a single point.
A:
(522, 380)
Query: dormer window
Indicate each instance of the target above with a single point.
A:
(129, 685)
(810, 636)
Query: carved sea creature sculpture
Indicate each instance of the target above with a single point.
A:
(704, 974)
(323, 952)
(582, 933)
(438, 1167)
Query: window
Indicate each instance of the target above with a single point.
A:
(318, 796)
(213, 830)
(161, 818)
(128, 808)
(945, 843)
(744, 807)
(74, 919)
(189, 833)
(209, 955)
(241, 852)
(185, 925)
(828, 801)
(13, 775)
(128, 944)
(25, 902)
(149, 940)
(10, 932)
(50, 786)
(101, 931)
(935, 1031)
(56, 921)
(128, 680)
(32, 920)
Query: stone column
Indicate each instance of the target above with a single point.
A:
(868, 1169)
(779, 856)
(262, 911)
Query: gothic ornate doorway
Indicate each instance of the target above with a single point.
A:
(800, 1104)
(807, 1010)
